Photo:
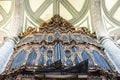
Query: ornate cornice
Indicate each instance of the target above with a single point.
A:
(55, 24)
(85, 31)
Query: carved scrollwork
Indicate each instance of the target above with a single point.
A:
(85, 31)
(56, 22)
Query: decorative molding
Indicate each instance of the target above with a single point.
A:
(54, 24)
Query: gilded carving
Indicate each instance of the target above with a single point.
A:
(55, 22)
(56, 41)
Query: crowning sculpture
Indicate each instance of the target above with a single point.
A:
(57, 48)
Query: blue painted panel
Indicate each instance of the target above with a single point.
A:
(77, 59)
(18, 60)
(69, 62)
(100, 60)
(85, 56)
(49, 53)
(42, 49)
(57, 35)
(78, 38)
(41, 60)
(74, 49)
(37, 37)
(44, 36)
(64, 38)
(29, 39)
(67, 53)
(59, 52)
(87, 39)
(49, 62)
(50, 38)
(70, 37)
(31, 58)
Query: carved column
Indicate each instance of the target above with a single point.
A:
(6, 52)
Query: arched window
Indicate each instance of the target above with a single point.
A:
(41, 60)
(100, 60)
(18, 60)
(77, 59)
(74, 49)
(59, 52)
(85, 56)
(31, 58)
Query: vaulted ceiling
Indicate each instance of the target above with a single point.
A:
(77, 12)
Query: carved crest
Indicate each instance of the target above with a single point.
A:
(56, 23)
